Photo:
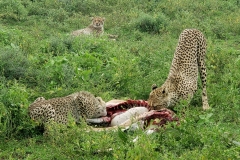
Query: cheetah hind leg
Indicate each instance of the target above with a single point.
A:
(205, 100)
(203, 74)
(204, 88)
(204, 84)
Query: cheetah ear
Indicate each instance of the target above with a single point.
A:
(103, 18)
(164, 91)
(154, 86)
(99, 99)
(91, 18)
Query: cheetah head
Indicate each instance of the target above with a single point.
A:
(158, 98)
(98, 22)
(101, 108)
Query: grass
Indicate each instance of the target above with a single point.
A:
(39, 58)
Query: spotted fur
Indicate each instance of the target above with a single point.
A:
(189, 58)
(95, 28)
(79, 104)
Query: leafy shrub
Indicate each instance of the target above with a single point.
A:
(5, 37)
(14, 118)
(220, 31)
(14, 63)
(58, 15)
(150, 24)
(56, 46)
(58, 71)
(146, 23)
(12, 10)
(37, 9)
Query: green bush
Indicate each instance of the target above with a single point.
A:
(12, 10)
(37, 9)
(6, 37)
(14, 64)
(150, 24)
(58, 15)
(14, 118)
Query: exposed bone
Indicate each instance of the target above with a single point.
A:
(99, 120)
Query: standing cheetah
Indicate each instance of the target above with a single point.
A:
(181, 83)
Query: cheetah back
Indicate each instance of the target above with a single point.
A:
(55, 109)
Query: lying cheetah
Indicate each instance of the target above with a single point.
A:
(79, 104)
(181, 83)
(95, 28)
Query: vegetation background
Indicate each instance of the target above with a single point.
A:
(38, 57)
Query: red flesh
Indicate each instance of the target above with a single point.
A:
(164, 115)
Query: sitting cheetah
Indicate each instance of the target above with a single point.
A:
(79, 104)
(181, 83)
(95, 28)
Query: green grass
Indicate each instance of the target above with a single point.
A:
(39, 58)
